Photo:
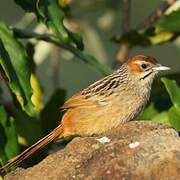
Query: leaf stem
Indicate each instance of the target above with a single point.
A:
(50, 38)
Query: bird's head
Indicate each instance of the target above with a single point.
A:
(144, 68)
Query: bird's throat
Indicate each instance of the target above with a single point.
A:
(146, 75)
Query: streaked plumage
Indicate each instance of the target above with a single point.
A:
(107, 103)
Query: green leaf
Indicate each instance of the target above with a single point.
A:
(151, 113)
(162, 118)
(55, 22)
(37, 95)
(148, 113)
(8, 137)
(169, 22)
(52, 14)
(174, 117)
(173, 90)
(14, 61)
(161, 37)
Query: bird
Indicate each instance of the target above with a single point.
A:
(102, 106)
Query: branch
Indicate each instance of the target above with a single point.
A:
(50, 38)
(126, 16)
(123, 51)
(55, 67)
(156, 14)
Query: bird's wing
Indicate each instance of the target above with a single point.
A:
(78, 100)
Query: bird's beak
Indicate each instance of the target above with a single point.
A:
(159, 67)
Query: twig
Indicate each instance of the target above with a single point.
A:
(156, 14)
(147, 22)
(55, 66)
(123, 51)
(126, 16)
(49, 38)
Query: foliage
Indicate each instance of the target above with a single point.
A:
(170, 116)
(169, 22)
(8, 136)
(26, 118)
(14, 62)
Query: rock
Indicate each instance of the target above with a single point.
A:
(137, 150)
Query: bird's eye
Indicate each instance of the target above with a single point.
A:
(144, 66)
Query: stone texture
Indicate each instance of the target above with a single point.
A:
(155, 155)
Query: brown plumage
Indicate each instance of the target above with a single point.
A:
(113, 100)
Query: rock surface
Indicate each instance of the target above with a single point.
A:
(137, 150)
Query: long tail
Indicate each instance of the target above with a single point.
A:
(56, 133)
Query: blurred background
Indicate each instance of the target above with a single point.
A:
(98, 21)
(89, 40)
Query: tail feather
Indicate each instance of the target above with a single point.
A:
(32, 149)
